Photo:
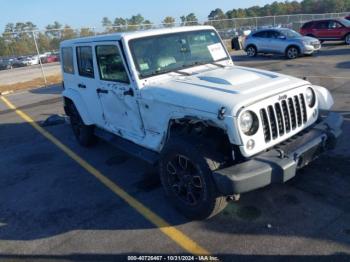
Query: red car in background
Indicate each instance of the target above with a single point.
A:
(328, 29)
(50, 58)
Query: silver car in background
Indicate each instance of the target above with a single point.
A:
(280, 41)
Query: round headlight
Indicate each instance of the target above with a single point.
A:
(248, 123)
(310, 97)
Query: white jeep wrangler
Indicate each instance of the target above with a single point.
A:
(174, 98)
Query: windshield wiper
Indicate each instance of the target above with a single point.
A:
(217, 64)
(159, 72)
(179, 71)
(205, 63)
(182, 73)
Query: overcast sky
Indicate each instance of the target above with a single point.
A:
(78, 13)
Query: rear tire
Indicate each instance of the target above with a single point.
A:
(251, 51)
(186, 175)
(83, 133)
(292, 52)
(347, 39)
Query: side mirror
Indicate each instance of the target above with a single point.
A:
(282, 37)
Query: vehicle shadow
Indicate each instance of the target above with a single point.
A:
(333, 43)
(44, 194)
(344, 65)
(51, 89)
(334, 52)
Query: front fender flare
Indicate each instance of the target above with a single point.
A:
(79, 103)
(324, 97)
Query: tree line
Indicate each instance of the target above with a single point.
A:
(284, 8)
(17, 38)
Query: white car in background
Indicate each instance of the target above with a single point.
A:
(32, 60)
(174, 98)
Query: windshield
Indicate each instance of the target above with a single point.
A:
(290, 33)
(344, 22)
(171, 52)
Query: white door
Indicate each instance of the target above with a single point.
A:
(118, 97)
(85, 83)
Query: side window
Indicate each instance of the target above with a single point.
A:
(110, 64)
(334, 25)
(260, 34)
(274, 34)
(307, 25)
(85, 62)
(322, 25)
(270, 34)
(67, 60)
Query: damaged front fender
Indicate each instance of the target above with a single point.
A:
(324, 97)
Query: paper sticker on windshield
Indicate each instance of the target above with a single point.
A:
(144, 66)
(217, 51)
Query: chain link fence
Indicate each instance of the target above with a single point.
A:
(40, 47)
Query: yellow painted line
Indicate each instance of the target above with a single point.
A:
(176, 235)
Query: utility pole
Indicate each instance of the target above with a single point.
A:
(41, 65)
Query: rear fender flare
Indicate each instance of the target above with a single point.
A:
(79, 103)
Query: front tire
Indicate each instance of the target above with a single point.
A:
(251, 51)
(186, 176)
(83, 133)
(292, 52)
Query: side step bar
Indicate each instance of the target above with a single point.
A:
(127, 146)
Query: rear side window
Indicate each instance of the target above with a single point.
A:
(272, 34)
(307, 25)
(322, 25)
(260, 34)
(67, 60)
(85, 61)
(110, 64)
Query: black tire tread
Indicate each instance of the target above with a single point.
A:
(218, 202)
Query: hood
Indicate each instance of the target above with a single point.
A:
(308, 39)
(231, 87)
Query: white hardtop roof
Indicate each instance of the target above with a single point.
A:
(135, 34)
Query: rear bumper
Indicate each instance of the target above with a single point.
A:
(280, 164)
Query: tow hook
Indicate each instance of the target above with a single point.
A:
(221, 113)
(281, 153)
(234, 197)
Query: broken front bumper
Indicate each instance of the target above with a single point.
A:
(280, 164)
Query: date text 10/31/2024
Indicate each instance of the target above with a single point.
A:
(172, 258)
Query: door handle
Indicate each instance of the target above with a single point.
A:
(81, 86)
(101, 91)
(129, 92)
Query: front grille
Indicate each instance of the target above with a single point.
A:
(283, 117)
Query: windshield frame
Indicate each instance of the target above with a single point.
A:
(136, 66)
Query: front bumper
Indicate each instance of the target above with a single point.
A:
(280, 164)
(309, 49)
